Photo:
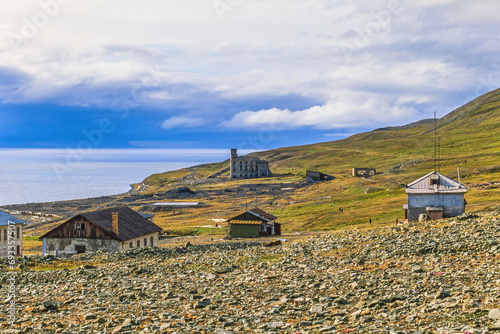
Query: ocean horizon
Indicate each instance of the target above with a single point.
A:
(48, 175)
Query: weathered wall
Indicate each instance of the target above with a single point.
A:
(69, 230)
(452, 204)
(364, 172)
(4, 239)
(67, 245)
(126, 244)
(247, 167)
(244, 231)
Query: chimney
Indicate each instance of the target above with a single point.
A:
(115, 222)
(234, 153)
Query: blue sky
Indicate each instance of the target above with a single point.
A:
(247, 74)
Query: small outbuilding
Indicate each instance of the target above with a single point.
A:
(11, 235)
(314, 176)
(436, 195)
(108, 230)
(253, 223)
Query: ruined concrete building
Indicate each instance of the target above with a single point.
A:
(247, 167)
(313, 176)
(364, 172)
(436, 195)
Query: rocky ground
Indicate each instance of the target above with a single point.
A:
(421, 278)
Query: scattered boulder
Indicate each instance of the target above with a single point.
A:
(423, 217)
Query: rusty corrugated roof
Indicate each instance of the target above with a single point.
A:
(245, 222)
(254, 215)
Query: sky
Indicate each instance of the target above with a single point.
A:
(235, 73)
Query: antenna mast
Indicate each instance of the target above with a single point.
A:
(439, 154)
(435, 144)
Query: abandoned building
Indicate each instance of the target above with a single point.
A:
(364, 172)
(108, 230)
(247, 167)
(435, 195)
(11, 229)
(313, 176)
(253, 223)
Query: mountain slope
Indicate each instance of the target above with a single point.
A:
(468, 137)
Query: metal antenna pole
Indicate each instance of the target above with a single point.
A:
(439, 154)
(435, 150)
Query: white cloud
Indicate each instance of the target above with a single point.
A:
(179, 121)
(387, 55)
(345, 112)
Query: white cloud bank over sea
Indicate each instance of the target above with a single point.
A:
(359, 63)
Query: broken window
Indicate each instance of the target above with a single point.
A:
(80, 226)
(434, 180)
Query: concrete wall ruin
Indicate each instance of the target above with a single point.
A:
(364, 172)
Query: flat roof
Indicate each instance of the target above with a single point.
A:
(176, 204)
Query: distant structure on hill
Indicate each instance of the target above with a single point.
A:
(436, 195)
(364, 172)
(253, 223)
(11, 235)
(313, 176)
(109, 230)
(247, 167)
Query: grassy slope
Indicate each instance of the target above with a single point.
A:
(469, 139)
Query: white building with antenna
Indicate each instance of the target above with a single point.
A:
(436, 195)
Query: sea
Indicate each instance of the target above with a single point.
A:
(47, 175)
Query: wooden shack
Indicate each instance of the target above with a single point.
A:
(253, 223)
(109, 230)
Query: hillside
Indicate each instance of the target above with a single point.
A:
(468, 136)
(469, 139)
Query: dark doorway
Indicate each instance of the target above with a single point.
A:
(277, 229)
(80, 249)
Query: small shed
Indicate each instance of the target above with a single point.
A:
(436, 195)
(11, 235)
(109, 230)
(253, 223)
(314, 176)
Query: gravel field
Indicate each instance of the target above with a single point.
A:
(417, 278)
